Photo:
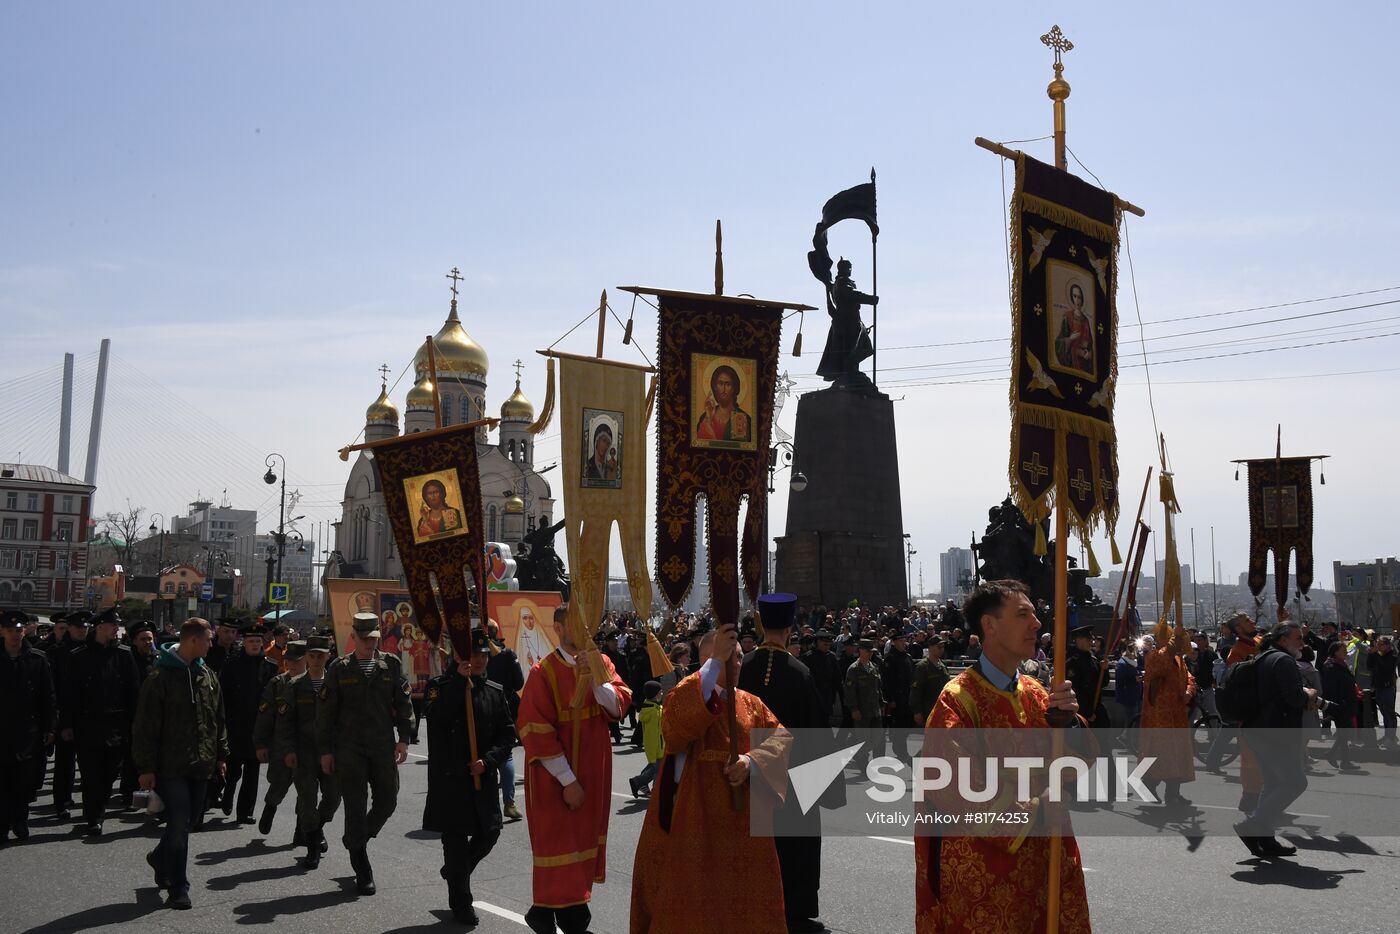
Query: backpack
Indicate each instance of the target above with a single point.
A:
(1237, 694)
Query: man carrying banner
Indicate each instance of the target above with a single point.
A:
(568, 778)
(967, 884)
(694, 842)
(363, 702)
(469, 818)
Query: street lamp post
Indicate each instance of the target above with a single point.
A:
(909, 553)
(270, 478)
(160, 561)
(209, 555)
(788, 454)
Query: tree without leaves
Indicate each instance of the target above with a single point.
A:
(128, 528)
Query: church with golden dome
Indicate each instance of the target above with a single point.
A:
(515, 499)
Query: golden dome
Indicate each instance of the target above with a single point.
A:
(454, 350)
(517, 406)
(382, 410)
(421, 395)
(514, 505)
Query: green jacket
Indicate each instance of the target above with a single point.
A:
(863, 692)
(652, 743)
(269, 711)
(929, 678)
(359, 713)
(296, 720)
(179, 727)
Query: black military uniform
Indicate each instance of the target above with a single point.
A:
(1082, 671)
(468, 818)
(318, 794)
(826, 670)
(27, 723)
(218, 655)
(787, 687)
(65, 753)
(97, 704)
(363, 704)
(242, 680)
(897, 679)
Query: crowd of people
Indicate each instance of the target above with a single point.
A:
(186, 721)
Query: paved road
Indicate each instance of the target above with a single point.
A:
(1168, 882)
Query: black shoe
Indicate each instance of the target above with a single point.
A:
(461, 905)
(1350, 767)
(1178, 800)
(154, 863)
(93, 829)
(61, 812)
(540, 920)
(227, 805)
(21, 832)
(804, 926)
(632, 783)
(1245, 830)
(1272, 848)
(364, 873)
(179, 902)
(313, 857)
(246, 819)
(265, 822)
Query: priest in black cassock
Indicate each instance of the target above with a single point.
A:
(786, 686)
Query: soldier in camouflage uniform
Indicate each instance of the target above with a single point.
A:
(363, 702)
(272, 707)
(296, 749)
(866, 703)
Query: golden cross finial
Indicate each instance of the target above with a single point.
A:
(518, 367)
(384, 373)
(1060, 43)
(456, 276)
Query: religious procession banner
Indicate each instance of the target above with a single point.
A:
(432, 492)
(1064, 364)
(1281, 521)
(719, 363)
(399, 631)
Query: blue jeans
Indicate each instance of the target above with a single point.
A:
(507, 779)
(648, 774)
(182, 796)
(1385, 707)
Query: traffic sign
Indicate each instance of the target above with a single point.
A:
(206, 592)
(279, 594)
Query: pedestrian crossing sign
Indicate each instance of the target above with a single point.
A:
(278, 594)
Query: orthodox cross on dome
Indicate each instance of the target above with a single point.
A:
(1059, 43)
(384, 373)
(519, 365)
(456, 276)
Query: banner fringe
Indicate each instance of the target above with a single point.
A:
(546, 410)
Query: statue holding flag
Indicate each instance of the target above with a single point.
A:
(848, 343)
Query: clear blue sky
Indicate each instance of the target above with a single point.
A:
(257, 203)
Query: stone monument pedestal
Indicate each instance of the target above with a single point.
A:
(845, 532)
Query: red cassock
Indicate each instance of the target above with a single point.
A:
(979, 885)
(694, 843)
(570, 847)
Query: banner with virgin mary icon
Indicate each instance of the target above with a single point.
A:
(1064, 364)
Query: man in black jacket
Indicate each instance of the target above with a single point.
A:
(468, 817)
(96, 707)
(27, 725)
(1275, 736)
(65, 753)
(242, 680)
(897, 678)
(827, 670)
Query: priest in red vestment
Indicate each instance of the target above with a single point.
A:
(568, 778)
(694, 843)
(998, 885)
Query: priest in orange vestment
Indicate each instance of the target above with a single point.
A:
(1168, 692)
(990, 885)
(694, 843)
(568, 780)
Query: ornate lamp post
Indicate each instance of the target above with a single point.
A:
(780, 457)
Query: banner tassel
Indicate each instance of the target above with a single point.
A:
(660, 664)
(1041, 547)
(797, 343)
(547, 410)
(1113, 546)
(1094, 569)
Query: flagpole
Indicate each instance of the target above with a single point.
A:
(875, 308)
